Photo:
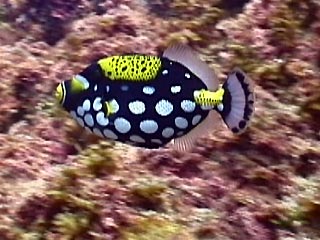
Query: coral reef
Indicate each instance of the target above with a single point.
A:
(59, 182)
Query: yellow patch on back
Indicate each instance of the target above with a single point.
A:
(131, 67)
(209, 98)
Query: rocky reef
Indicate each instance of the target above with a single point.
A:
(59, 182)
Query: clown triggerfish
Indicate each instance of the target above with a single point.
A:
(147, 101)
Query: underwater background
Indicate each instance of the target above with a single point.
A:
(59, 182)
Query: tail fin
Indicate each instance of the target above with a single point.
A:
(238, 101)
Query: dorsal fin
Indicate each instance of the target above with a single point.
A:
(186, 142)
(187, 57)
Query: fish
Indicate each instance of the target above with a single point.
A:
(149, 101)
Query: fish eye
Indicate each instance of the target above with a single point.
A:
(60, 93)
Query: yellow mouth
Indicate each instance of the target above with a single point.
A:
(59, 94)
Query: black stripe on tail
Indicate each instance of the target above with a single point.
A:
(238, 101)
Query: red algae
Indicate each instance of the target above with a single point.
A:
(59, 182)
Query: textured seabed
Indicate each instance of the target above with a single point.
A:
(58, 182)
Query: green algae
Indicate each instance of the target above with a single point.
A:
(149, 193)
(73, 213)
(273, 74)
(3, 14)
(70, 211)
(201, 27)
(289, 20)
(193, 30)
(107, 23)
(71, 225)
(310, 110)
(50, 107)
(72, 201)
(285, 26)
(30, 236)
(99, 159)
(156, 229)
(244, 56)
(301, 208)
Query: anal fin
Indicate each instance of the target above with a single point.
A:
(187, 142)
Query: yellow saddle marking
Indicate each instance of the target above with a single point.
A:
(208, 98)
(130, 67)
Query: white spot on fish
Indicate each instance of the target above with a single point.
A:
(165, 72)
(220, 107)
(88, 129)
(148, 126)
(156, 141)
(110, 134)
(80, 111)
(148, 90)
(137, 107)
(196, 119)
(101, 119)
(206, 107)
(167, 132)
(187, 75)
(114, 106)
(97, 104)
(196, 94)
(164, 107)
(95, 87)
(97, 132)
(107, 88)
(80, 121)
(188, 106)
(122, 125)
(175, 89)
(181, 122)
(179, 134)
(135, 138)
(73, 114)
(86, 105)
(124, 88)
(89, 120)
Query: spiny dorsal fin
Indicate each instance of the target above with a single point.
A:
(187, 57)
(186, 142)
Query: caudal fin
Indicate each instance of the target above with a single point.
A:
(238, 101)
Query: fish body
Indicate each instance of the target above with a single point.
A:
(148, 101)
